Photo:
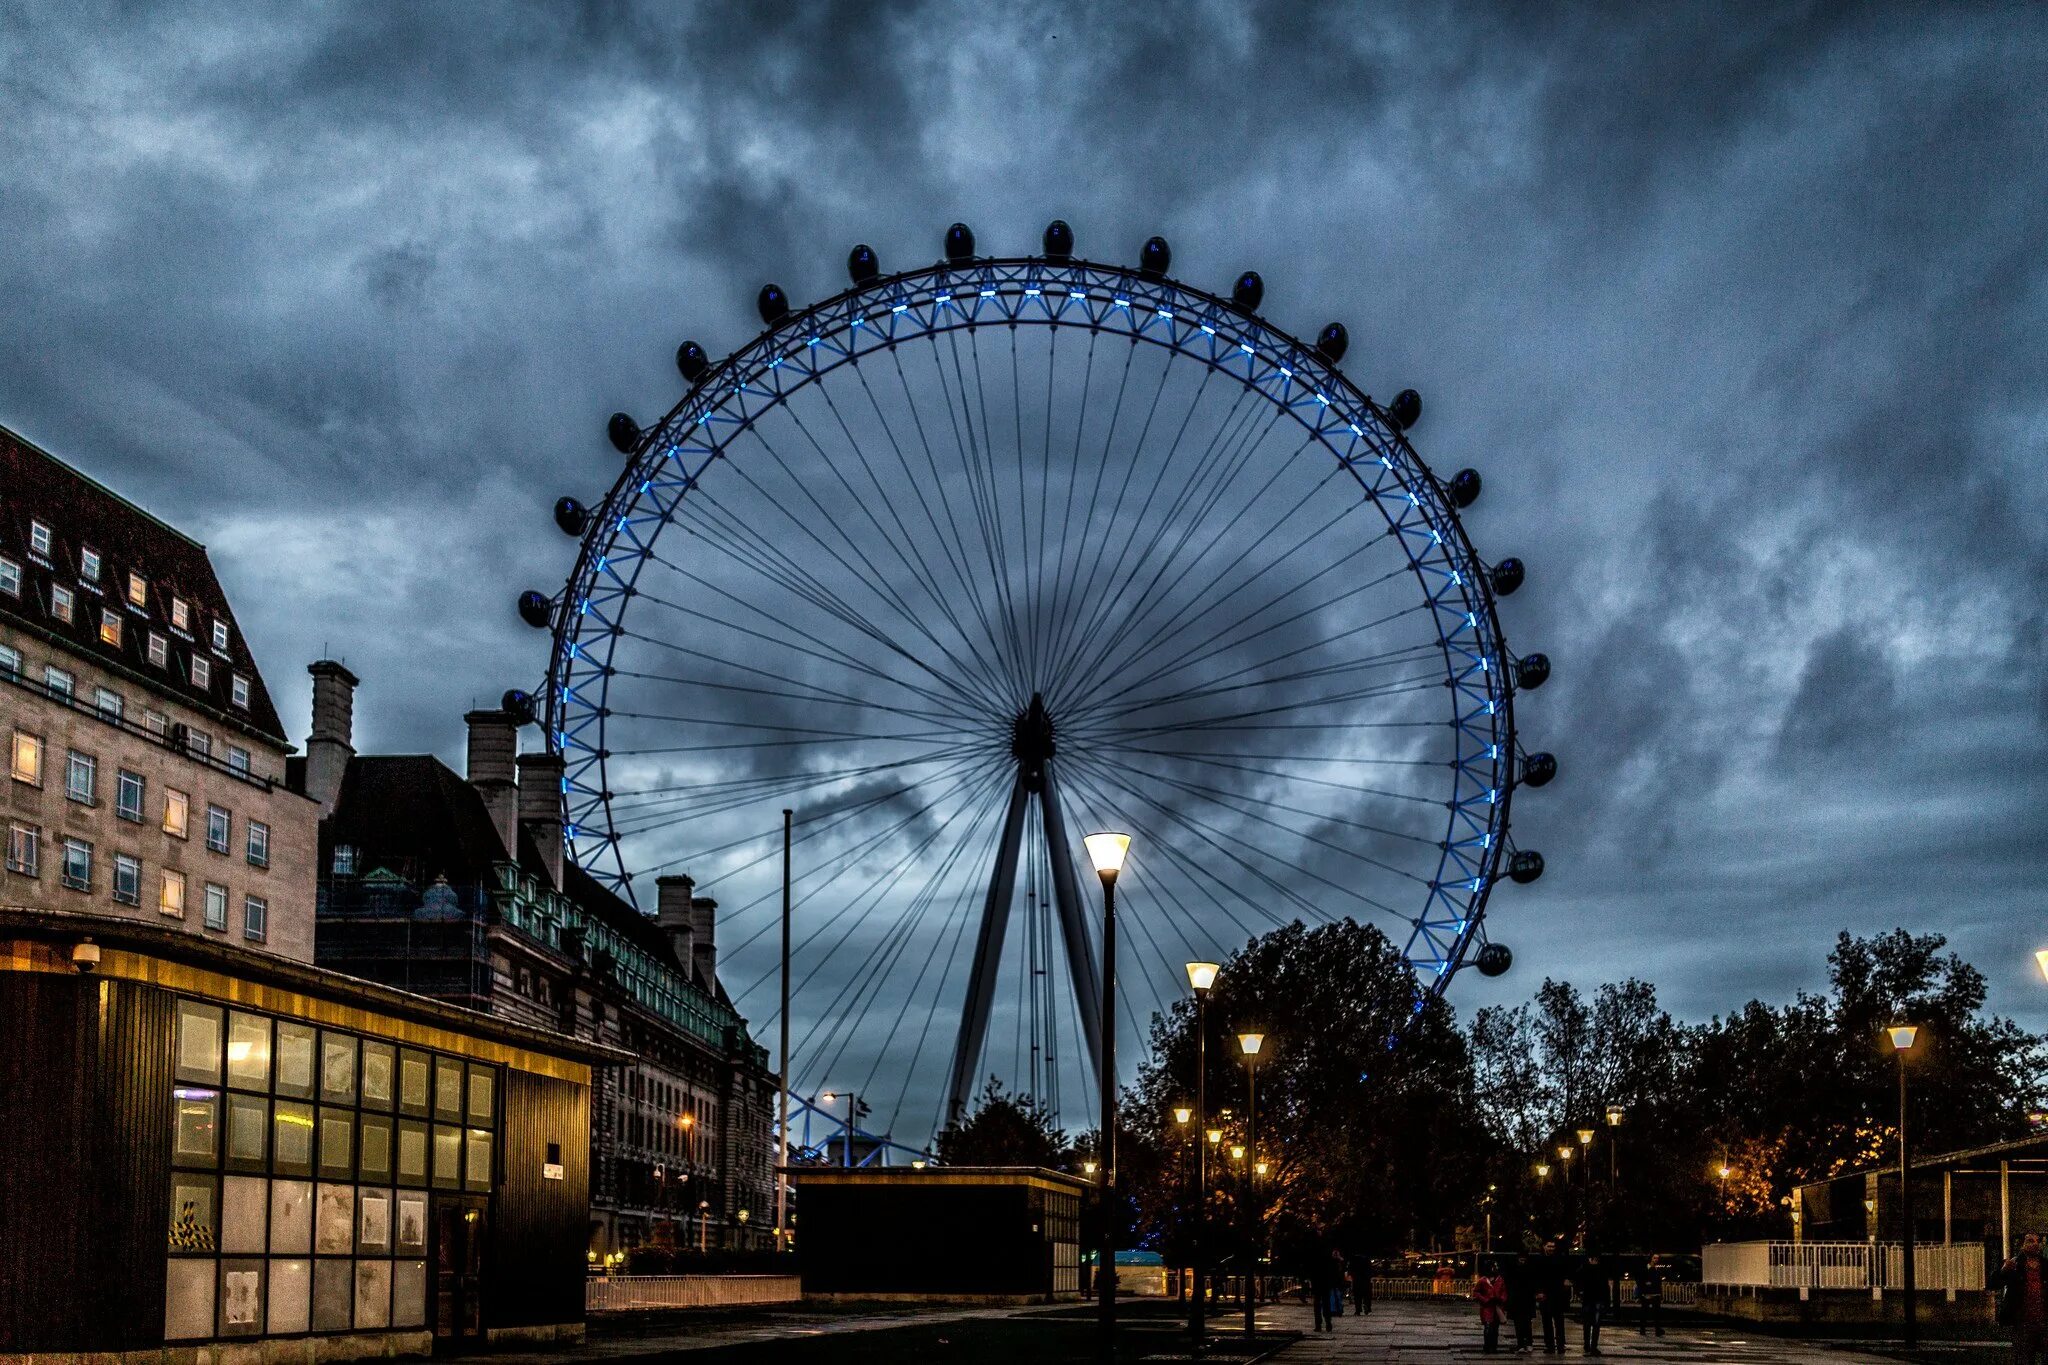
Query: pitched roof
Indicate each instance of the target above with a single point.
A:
(37, 488)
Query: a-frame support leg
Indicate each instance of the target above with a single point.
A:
(1081, 964)
(988, 957)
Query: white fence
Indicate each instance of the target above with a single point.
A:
(1839, 1265)
(616, 1293)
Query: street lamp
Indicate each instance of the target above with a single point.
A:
(2041, 961)
(852, 1108)
(1107, 852)
(1615, 1116)
(1250, 1044)
(1201, 979)
(1181, 1114)
(1903, 1036)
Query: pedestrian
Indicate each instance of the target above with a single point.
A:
(1553, 1296)
(1595, 1285)
(2023, 1301)
(1650, 1297)
(1339, 1275)
(1361, 1284)
(1326, 1285)
(1490, 1292)
(1521, 1299)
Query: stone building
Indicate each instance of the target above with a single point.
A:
(457, 887)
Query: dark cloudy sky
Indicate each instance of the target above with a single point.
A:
(1739, 310)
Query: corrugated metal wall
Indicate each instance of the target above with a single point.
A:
(535, 1272)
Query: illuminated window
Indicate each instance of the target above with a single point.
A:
(216, 906)
(218, 827)
(89, 565)
(127, 879)
(238, 691)
(220, 635)
(345, 862)
(259, 844)
(78, 864)
(181, 614)
(172, 898)
(128, 789)
(81, 776)
(108, 703)
(57, 682)
(110, 628)
(61, 601)
(39, 538)
(138, 589)
(24, 850)
(202, 672)
(177, 812)
(255, 917)
(10, 578)
(159, 650)
(28, 758)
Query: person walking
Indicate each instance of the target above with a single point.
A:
(1595, 1283)
(2023, 1301)
(1553, 1296)
(1361, 1284)
(1650, 1297)
(1326, 1287)
(1490, 1292)
(1521, 1299)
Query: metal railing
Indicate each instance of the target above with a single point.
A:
(619, 1293)
(1839, 1265)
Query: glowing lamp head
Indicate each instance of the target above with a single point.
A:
(1251, 1043)
(1902, 1036)
(1202, 975)
(687, 1121)
(1615, 1114)
(1236, 1151)
(917, 1164)
(1564, 1151)
(1215, 1137)
(1107, 852)
(827, 1098)
(1182, 1114)
(1724, 1172)
(1585, 1137)
(1259, 1167)
(1088, 1167)
(2041, 961)
(1542, 1169)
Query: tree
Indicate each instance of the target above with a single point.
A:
(1003, 1130)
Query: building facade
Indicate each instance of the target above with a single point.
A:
(457, 887)
(146, 762)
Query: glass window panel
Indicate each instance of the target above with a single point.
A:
(334, 1220)
(333, 1290)
(479, 1159)
(373, 1294)
(243, 1201)
(412, 1082)
(373, 1151)
(292, 1138)
(294, 1060)
(409, 1294)
(291, 1286)
(241, 1298)
(337, 1067)
(188, 1299)
(337, 1143)
(248, 1116)
(199, 1030)
(482, 1085)
(248, 1051)
(412, 1223)
(447, 1089)
(373, 1223)
(412, 1153)
(197, 1123)
(380, 1062)
(291, 1217)
(193, 1217)
(447, 1157)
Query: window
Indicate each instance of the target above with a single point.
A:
(202, 672)
(181, 614)
(128, 788)
(10, 662)
(219, 825)
(127, 880)
(216, 906)
(238, 759)
(24, 850)
(39, 538)
(259, 844)
(157, 723)
(78, 864)
(255, 917)
(110, 628)
(10, 578)
(159, 650)
(344, 860)
(89, 564)
(108, 703)
(238, 691)
(81, 776)
(138, 589)
(28, 758)
(177, 809)
(220, 635)
(199, 742)
(61, 602)
(58, 683)
(171, 900)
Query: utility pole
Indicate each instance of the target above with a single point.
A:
(782, 1091)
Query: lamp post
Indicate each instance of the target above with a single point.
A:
(1107, 852)
(1181, 1115)
(1201, 979)
(1249, 1044)
(1903, 1036)
(1565, 1153)
(852, 1109)
(1615, 1116)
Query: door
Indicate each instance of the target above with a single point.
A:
(460, 1229)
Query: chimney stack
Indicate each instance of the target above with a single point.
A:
(493, 753)
(540, 808)
(704, 947)
(672, 913)
(330, 744)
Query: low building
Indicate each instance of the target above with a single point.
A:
(457, 887)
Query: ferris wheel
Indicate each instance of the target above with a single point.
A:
(968, 560)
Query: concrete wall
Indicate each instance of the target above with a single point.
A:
(625, 1293)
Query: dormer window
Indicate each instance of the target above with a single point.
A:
(39, 538)
(220, 635)
(202, 672)
(181, 614)
(61, 600)
(159, 650)
(89, 565)
(110, 628)
(138, 589)
(345, 860)
(238, 691)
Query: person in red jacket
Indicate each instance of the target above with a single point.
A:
(1490, 1292)
(2023, 1300)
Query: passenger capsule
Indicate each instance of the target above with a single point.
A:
(1333, 341)
(1525, 866)
(1538, 769)
(1464, 488)
(1532, 671)
(535, 609)
(691, 360)
(1406, 409)
(624, 431)
(1494, 960)
(518, 705)
(959, 243)
(571, 515)
(1249, 291)
(862, 263)
(1154, 257)
(1059, 240)
(773, 303)
(1507, 576)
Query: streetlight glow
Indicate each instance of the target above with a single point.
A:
(1259, 1166)
(1902, 1036)
(1615, 1114)
(1107, 852)
(1585, 1137)
(1182, 1114)
(2041, 961)
(1215, 1137)
(1251, 1043)
(1236, 1151)
(1202, 975)
(1088, 1167)
(1542, 1169)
